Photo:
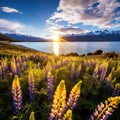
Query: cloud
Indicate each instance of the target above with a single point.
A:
(10, 10)
(11, 26)
(70, 30)
(100, 13)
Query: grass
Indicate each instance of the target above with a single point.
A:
(93, 92)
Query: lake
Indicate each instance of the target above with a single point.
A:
(67, 47)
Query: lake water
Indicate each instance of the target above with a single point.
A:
(67, 47)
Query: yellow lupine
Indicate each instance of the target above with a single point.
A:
(68, 115)
(59, 101)
(17, 95)
(15, 83)
(32, 116)
(74, 95)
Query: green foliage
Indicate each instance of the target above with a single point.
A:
(98, 52)
(111, 55)
(92, 91)
(72, 54)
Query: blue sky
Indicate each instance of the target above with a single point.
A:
(47, 17)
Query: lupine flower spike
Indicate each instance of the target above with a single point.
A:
(32, 116)
(78, 70)
(4, 68)
(17, 95)
(116, 91)
(68, 115)
(13, 67)
(74, 96)
(31, 85)
(50, 85)
(95, 72)
(104, 69)
(108, 81)
(59, 102)
(103, 111)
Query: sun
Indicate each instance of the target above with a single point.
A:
(55, 37)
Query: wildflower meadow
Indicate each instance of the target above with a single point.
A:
(39, 86)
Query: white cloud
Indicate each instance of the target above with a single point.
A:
(100, 13)
(10, 10)
(11, 26)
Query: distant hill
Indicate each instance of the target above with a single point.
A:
(24, 38)
(5, 38)
(6, 47)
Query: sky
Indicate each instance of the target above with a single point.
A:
(44, 18)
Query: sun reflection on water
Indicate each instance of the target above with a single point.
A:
(56, 48)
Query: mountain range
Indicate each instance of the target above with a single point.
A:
(6, 38)
(104, 35)
(24, 38)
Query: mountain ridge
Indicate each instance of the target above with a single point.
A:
(91, 36)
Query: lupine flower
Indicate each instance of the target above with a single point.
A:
(4, 65)
(72, 71)
(25, 65)
(68, 115)
(17, 95)
(116, 91)
(95, 72)
(59, 102)
(103, 111)
(32, 116)
(18, 69)
(108, 80)
(19, 60)
(48, 67)
(78, 70)
(31, 85)
(104, 68)
(74, 96)
(118, 68)
(4, 68)
(13, 67)
(50, 85)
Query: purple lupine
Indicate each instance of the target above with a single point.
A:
(18, 69)
(19, 60)
(13, 67)
(95, 72)
(116, 91)
(108, 81)
(31, 85)
(104, 69)
(17, 95)
(48, 68)
(4, 68)
(25, 65)
(74, 96)
(50, 85)
(104, 110)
